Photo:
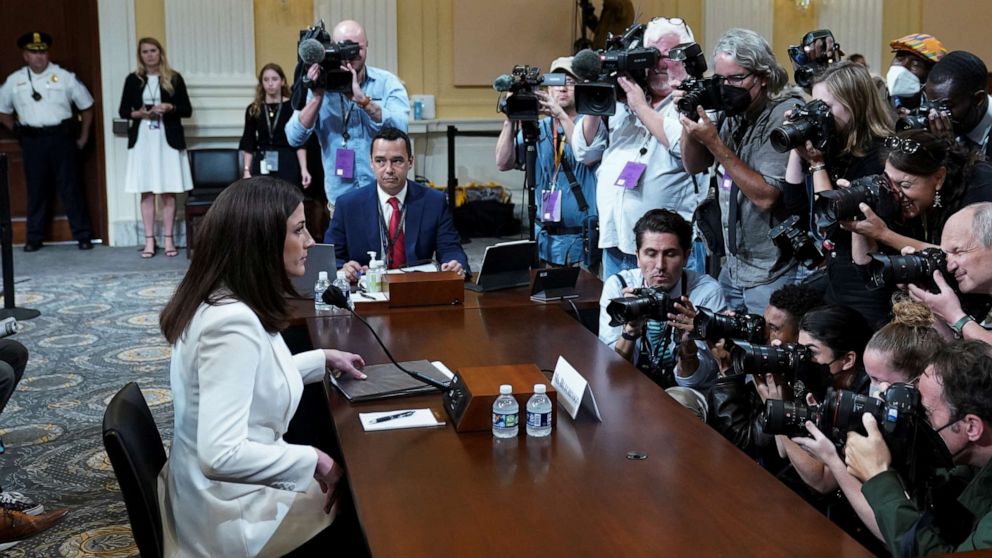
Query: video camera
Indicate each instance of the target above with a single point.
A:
(812, 122)
(316, 47)
(815, 51)
(645, 304)
(918, 118)
(842, 204)
(623, 55)
(699, 91)
(790, 239)
(711, 326)
(841, 412)
(523, 103)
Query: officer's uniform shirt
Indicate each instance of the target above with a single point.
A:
(59, 90)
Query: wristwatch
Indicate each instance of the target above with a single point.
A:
(366, 102)
(957, 326)
(627, 336)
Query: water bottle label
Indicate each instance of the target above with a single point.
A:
(538, 420)
(504, 421)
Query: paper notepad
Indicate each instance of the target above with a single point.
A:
(421, 418)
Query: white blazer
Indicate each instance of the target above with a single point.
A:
(232, 486)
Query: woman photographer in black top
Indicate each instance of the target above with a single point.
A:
(264, 144)
(932, 177)
(861, 124)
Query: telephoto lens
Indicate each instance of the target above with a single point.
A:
(769, 359)
(788, 418)
(645, 304)
(711, 326)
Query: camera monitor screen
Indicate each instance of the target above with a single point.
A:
(505, 265)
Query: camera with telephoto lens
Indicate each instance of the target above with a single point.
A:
(712, 326)
(786, 359)
(812, 122)
(917, 269)
(919, 118)
(841, 411)
(645, 304)
(790, 239)
(699, 91)
(817, 50)
(316, 47)
(523, 102)
(842, 204)
(624, 55)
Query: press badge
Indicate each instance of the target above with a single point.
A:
(344, 163)
(154, 123)
(551, 206)
(726, 182)
(631, 175)
(270, 161)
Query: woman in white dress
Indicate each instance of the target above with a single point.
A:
(155, 100)
(232, 485)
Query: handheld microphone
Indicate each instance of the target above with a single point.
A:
(336, 298)
(503, 83)
(586, 64)
(311, 52)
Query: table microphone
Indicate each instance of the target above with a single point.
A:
(336, 298)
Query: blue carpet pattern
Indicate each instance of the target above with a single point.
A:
(96, 332)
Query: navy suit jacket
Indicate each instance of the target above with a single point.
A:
(428, 227)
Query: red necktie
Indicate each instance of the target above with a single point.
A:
(397, 253)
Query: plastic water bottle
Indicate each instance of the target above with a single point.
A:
(506, 413)
(418, 110)
(539, 412)
(341, 282)
(318, 292)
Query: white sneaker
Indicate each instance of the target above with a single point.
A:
(19, 502)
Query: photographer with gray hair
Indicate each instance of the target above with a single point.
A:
(754, 100)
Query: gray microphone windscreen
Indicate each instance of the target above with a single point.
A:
(586, 64)
(503, 83)
(311, 51)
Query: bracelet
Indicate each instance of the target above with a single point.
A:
(817, 167)
(627, 336)
(366, 103)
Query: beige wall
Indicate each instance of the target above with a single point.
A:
(960, 25)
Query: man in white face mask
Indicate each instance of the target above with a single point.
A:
(915, 56)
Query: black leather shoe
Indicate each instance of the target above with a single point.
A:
(32, 246)
(85, 245)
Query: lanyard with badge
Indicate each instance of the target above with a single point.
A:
(387, 247)
(34, 92)
(153, 123)
(270, 157)
(630, 175)
(344, 158)
(551, 197)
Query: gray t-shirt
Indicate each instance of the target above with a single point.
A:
(758, 260)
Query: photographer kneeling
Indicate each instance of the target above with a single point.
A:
(956, 393)
(655, 338)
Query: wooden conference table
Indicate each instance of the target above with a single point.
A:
(434, 492)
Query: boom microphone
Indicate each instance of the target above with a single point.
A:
(335, 297)
(587, 65)
(503, 83)
(311, 52)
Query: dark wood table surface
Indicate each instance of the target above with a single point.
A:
(433, 492)
(588, 287)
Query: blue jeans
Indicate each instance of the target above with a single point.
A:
(754, 299)
(615, 260)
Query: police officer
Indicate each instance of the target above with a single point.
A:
(43, 94)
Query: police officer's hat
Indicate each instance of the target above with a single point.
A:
(36, 41)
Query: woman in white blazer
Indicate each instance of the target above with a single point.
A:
(232, 486)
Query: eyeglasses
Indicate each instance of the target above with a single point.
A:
(905, 145)
(675, 21)
(569, 82)
(734, 80)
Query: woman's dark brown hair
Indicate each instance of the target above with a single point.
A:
(239, 254)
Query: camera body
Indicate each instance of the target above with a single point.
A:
(817, 50)
(710, 326)
(812, 122)
(645, 304)
(918, 118)
(790, 239)
(335, 55)
(699, 91)
(841, 412)
(524, 104)
(624, 55)
(842, 204)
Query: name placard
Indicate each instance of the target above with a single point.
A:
(573, 390)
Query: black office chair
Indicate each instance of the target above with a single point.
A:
(212, 170)
(135, 449)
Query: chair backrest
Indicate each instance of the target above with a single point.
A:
(213, 169)
(135, 449)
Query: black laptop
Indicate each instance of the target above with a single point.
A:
(505, 265)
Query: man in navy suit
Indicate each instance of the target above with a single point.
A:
(403, 222)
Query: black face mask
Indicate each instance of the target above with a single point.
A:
(812, 377)
(735, 100)
(931, 450)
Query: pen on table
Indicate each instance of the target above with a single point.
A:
(391, 417)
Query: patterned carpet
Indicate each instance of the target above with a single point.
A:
(96, 333)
